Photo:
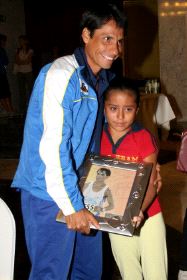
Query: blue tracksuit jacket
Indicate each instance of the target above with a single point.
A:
(58, 129)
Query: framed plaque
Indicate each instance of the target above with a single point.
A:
(113, 191)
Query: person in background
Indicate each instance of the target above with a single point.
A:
(181, 165)
(63, 123)
(182, 275)
(5, 94)
(143, 256)
(24, 71)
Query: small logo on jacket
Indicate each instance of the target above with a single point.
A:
(84, 88)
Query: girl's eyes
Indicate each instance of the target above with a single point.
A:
(127, 109)
(113, 108)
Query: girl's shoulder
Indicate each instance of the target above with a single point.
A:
(139, 130)
(143, 136)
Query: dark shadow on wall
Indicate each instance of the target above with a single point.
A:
(142, 29)
(57, 23)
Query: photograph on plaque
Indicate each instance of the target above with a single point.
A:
(113, 192)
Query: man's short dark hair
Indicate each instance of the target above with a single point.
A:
(94, 18)
(103, 172)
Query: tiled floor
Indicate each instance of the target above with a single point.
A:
(173, 198)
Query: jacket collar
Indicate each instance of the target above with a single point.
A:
(86, 71)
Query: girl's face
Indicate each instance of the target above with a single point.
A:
(120, 111)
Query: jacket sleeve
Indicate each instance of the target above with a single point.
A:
(55, 146)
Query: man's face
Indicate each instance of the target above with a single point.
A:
(100, 178)
(100, 181)
(104, 46)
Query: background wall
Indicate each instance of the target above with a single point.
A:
(155, 46)
(57, 24)
(142, 43)
(46, 24)
(173, 53)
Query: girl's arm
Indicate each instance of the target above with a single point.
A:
(152, 187)
(158, 181)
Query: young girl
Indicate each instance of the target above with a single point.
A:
(143, 256)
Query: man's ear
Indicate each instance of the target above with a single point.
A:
(85, 35)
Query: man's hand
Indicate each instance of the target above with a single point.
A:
(81, 221)
(158, 180)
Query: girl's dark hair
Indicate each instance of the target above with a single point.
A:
(95, 17)
(122, 84)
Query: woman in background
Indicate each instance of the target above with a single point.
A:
(24, 71)
(5, 94)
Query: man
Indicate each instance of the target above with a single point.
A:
(64, 122)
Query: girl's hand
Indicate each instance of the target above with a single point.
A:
(158, 180)
(137, 220)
